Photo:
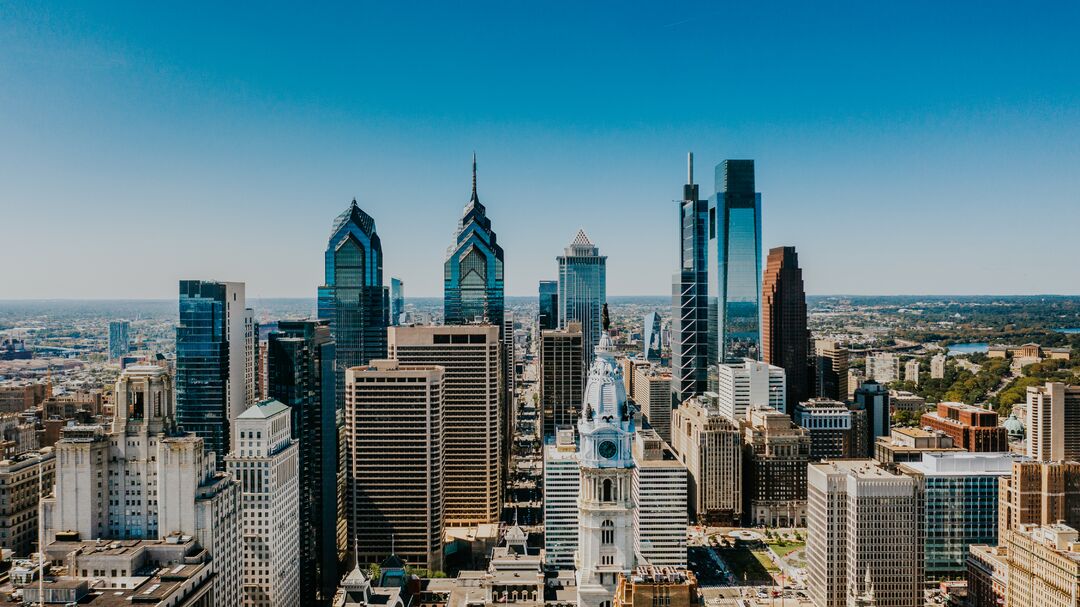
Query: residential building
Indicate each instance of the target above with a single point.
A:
(906, 445)
(562, 377)
(747, 383)
(548, 317)
(473, 271)
(653, 586)
(659, 496)
(873, 398)
(911, 371)
(472, 419)
(650, 337)
(987, 575)
(689, 296)
(582, 289)
(397, 300)
(959, 495)
(776, 453)
(864, 530)
(1044, 566)
(972, 427)
(300, 374)
(837, 430)
(119, 339)
(652, 395)
(211, 360)
(394, 428)
(265, 461)
(708, 443)
(1053, 422)
(883, 367)
(24, 479)
(734, 265)
(830, 370)
(562, 479)
(785, 339)
(937, 366)
(353, 297)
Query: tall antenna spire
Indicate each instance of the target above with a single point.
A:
(474, 175)
(689, 168)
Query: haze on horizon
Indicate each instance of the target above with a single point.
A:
(915, 148)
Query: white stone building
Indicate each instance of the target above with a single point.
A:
(742, 385)
(562, 478)
(659, 494)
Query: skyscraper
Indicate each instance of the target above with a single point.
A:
(473, 272)
(831, 370)
(211, 367)
(650, 337)
(1053, 422)
(689, 296)
(548, 316)
(582, 289)
(562, 377)
(784, 337)
(397, 300)
(353, 297)
(300, 374)
(873, 398)
(119, 339)
(742, 385)
(734, 264)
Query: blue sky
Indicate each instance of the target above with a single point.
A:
(907, 147)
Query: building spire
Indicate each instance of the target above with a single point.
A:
(689, 168)
(474, 175)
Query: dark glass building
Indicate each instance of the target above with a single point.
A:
(689, 293)
(734, 265)
(549, 305)
(354, 299)
(651, 337)
(785, 340)
(473, 272)
(397, 300)
(300, 374)
(873, 398)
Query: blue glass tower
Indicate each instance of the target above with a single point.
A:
(734, 265)
(548, 316)
(583, 289)
(354, 299)
(650, 337)
(689, 293)
(397, 300)
(119, 339)
(473, 272)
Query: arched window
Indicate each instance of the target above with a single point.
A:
(607, 491)
(607, 533)
(605, 603)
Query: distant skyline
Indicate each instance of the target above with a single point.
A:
(909, 148)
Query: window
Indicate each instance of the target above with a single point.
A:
(607, 533)
(607, 491)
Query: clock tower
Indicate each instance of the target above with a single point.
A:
(605, 505)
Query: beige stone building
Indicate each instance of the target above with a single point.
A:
(775, 455)
(1053, 422)
(24, 479)
(708, 443)
(1044, 566)
(652, 394)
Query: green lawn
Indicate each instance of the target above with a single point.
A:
(787, 548)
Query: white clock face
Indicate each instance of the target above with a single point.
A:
(607, 449)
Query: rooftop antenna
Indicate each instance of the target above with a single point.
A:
(689, 168)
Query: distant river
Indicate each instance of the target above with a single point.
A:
(1069, 330)
(969, 348)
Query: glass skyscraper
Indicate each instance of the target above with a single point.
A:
(397, 300)
(354, 299)
(650, 337)
(119, 339)
(583, 289)
(734, 265)
(549, 304)
(689, 293)
(473, 272)
(300, 374)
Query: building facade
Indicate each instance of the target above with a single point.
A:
(1053, 422)
(548, 316)
(776, 453)
(971, 427)
(1044, 566)
(744, 384)
(873, 398)
(562, 377)
(119, 339)
(652, 395)
(659, 496)
(785, 340)
(397, 300)
(562, 480)
(582, 289)
(473, 271)
(24, 479)
(830, 370)
(837, 431)
(708, 443)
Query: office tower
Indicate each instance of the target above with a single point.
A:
(23, 480)
(251, 358)
(831, 370)
(1053, 422)
(864, 529)
(650, 337)
(987, 575)
(394, 420)
(582, 289)
(911, 371)
(775, 455)
(784, 336)
(837, 430)
(937, 366)
(689, 296)
(883, 367)
(873, 398)
(708, 443)
(959, 495)
(211, 360)
(906, 445)
(265, 460)
(548, 317)
(473, 272)
(1043, 566)
(119, 339)
(606, 540)
(744, 384)
(652, 395)
(652, 586)
(508, 407)
(300, 374)
(972, 427)
(659, 496)
(562, 377)
(562, 479)
(353, 297)
(397, 300)
(629, 373)
(1039, 493)
(734, 259)
(469, 356)
(855, 379)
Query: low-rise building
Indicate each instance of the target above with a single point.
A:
(901, 400)
(24, 480)
(971, 427)
(905, 445)
(649, 586)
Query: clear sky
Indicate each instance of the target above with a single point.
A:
(903, 147)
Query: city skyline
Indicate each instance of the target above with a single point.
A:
(915, 160)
